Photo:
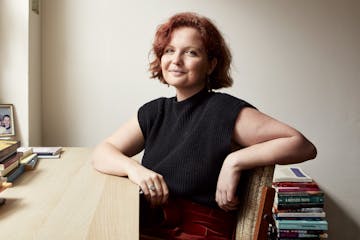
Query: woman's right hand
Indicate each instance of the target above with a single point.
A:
(151, 183)
(113, 156)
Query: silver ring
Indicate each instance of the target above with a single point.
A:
(152, 188)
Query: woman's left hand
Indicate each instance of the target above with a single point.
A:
(226, 186)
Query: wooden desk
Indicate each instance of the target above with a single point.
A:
(67, 199)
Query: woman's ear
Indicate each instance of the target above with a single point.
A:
(212, 65)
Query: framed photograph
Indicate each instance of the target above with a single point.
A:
(7, 127)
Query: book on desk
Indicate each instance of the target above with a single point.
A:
(47, 152)
(8, 148)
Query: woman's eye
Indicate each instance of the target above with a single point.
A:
(169, 50)
(191, 53)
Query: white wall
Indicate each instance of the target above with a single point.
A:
(20, 64)
(298, 61)
(34, 100)
(14, 58)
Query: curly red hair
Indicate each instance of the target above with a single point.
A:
(213, 42)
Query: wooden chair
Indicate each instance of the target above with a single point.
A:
(257, 199)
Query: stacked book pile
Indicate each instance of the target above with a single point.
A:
(298, 208)
(14, 160)
(8, 164)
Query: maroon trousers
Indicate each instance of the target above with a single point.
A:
(183, 219)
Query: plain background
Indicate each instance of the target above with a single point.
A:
(78, 70)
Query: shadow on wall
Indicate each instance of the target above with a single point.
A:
(341, 225)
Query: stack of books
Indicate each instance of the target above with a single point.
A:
(14, 160)
(298, 209)
(10, 167)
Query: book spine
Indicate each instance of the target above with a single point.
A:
(31, 164)
(5, 157)
(300, 199)
(296, 189)
(297, 235)
(297, 184)
(298, 231)
(288, 206)
(301, 193)
(15, 174)
(299, 224)
(301, 215)
(309, 238)
(300, 218)
(9, 168)
(10, 160)
(9, 150)
(25, 154)
(299, 210)
(28, 158)
(306, 227)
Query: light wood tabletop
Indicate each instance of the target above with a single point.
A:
(67, 199)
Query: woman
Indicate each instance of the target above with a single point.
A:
(190, 169)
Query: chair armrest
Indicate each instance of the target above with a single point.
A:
(265, 213)
(251, 189)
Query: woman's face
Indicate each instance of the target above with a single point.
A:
(6, 122)
(185, 63)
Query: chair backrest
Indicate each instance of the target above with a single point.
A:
(251, 188)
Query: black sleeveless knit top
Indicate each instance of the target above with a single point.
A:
(187, 141)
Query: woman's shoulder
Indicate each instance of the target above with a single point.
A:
(156, 102)
(228, 99)
(152, 110)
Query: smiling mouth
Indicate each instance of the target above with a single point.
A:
(177, 71)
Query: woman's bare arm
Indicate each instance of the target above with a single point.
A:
(266, 141)
(113, 156)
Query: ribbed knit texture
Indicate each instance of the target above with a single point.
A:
(187, 141)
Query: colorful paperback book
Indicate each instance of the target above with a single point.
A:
(303, 194)
(302, 236)
(13, 175)
(10, 160)
(297, 231)
(28, 158)
(301, 214)
(293, 206)
(290, 174)
(24, 152)
(312, 184)
(31, 164)
(296, 189)
(9, 168)
(8, 148)
(48, 151)
(300, 210)
(301, 224)
(299, 199)
(299, 218)
(6, 144)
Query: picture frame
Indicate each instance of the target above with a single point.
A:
(7, 126)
